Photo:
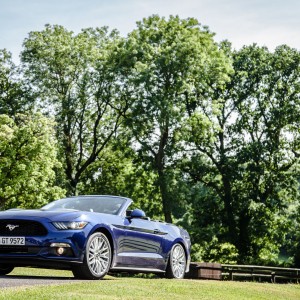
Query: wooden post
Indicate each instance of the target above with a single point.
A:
(273, 277)
(231, 274)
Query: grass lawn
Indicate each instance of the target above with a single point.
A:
(140, 288)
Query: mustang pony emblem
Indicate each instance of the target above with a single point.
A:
(11, 227)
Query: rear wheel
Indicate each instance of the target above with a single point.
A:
(97, 259)
(5, 269)
(177, 262)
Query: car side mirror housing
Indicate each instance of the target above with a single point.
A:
(137, 214)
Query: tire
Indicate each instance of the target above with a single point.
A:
(97, 258)
(5, 269)
(177, 262)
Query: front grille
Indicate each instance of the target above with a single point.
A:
(19, 250)
(21, 228)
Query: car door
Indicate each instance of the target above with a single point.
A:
(142, 245)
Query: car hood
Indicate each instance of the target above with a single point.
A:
(52, 215)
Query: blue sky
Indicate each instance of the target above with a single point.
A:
(243, 22)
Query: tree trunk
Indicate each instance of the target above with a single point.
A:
(164, 195)
(243, 244)
(73, 187)
(227, 198)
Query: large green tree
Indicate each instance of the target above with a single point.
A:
(76, 83)
(27, 161)
(167, 63)
(247, 149)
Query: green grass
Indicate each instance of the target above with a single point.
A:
(140, 288)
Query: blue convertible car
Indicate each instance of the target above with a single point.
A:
(92, 235)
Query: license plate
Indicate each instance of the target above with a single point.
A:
(16, 240)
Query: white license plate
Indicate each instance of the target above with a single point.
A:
(16, 240)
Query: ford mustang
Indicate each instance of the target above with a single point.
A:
(92, 235)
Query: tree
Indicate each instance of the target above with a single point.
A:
(27, 161)
(76, 82)
(166, 62)
(15, 96)
(249, 148)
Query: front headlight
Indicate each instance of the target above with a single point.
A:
(69, 225)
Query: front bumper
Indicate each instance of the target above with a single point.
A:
(39, 251)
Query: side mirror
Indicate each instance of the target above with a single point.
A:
(137, 213)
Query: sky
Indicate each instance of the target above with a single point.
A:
(266, 22)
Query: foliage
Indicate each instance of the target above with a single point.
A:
(27, 160)
(15, 96)
(117, 172)
(246, 141)
(77, 85)
(167, 61)
(215, 251)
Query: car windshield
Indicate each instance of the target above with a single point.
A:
(106, 205)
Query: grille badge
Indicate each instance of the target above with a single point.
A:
(11, 227)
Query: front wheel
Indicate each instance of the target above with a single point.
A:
(5, 269)
(177, 262)
(97, 259)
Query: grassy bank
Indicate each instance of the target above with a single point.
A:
(139, 288)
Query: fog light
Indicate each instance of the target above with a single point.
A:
(60, 251)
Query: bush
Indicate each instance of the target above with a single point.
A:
(214, 251)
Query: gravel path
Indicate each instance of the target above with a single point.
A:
(17, 281)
